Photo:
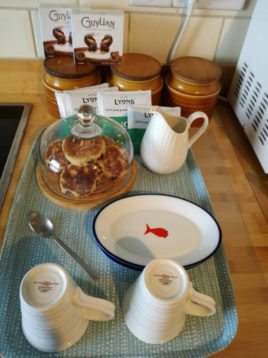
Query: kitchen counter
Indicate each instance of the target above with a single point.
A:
(237, 187)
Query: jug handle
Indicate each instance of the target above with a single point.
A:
(201, 130)
(93, 308)
(199, 304)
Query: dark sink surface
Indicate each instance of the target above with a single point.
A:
(9, 121)
(13, 121)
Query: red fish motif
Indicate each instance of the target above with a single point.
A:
(158, 231)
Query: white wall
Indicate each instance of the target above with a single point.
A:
(213, 34)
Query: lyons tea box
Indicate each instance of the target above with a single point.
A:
(116, 104)
(56, 31)
(98, 36)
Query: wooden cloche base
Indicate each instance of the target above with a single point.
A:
(84, 204)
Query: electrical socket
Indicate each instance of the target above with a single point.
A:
(213, 4)
(154, 3)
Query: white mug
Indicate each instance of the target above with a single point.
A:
(166, 141)
(55, 311)
(156, 305)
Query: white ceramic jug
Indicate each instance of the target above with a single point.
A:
(166, 141)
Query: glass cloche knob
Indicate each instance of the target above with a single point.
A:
(86, 128)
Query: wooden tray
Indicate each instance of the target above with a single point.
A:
(83, 204)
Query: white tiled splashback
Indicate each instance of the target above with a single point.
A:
(212, 34)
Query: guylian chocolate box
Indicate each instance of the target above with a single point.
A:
(98, 36)
(56, 31)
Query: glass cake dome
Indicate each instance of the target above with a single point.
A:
(85, 158)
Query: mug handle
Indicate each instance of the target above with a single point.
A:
(201, 130)
(93, 308)
(199, 304)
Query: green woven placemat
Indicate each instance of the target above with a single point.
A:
(23, 249)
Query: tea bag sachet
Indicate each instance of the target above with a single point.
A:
(70, 101)
(115, 104)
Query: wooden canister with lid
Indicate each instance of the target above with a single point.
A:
(138, 72)
(62, 74)
(193, 84)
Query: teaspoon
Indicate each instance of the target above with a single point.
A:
(43, 226)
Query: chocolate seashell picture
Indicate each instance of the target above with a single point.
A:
(49, 49)
(106, 43)
(90, 42)
(59, 36)
(80, 56)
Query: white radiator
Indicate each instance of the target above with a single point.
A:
(248, 93)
